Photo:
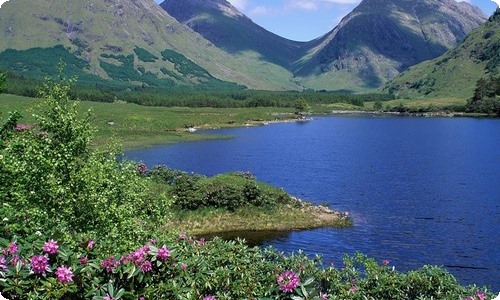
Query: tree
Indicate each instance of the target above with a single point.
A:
(377, 105)
(301, 107)
(3, 81)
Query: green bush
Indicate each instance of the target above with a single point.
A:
(3, 80)
(227, 191)
(53, 180)
(184, 268)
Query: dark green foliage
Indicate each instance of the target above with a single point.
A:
(3, 82)
(228, 191)
(144, 55)
(377, 105)
(301, 107)
(51, 178)
(41, 62)
(184, 65)
(486, 97)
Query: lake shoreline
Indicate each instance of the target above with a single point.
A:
(282, 218)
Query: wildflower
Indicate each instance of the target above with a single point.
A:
(107, 297)
(163, 253)
(83, 260)
(3, 267)
(288, 281)
(90, 244)
(22, 127)
(146, 267)
(385, 262)
(353, 289)
(209, 298)
(480, 295)
(50, 247)
(110, 264)
(142, 168)
(64, 274)
(139, 256)
(39, 264)
(15, 259)
(184, 267)
(12, 249)
(323, 296)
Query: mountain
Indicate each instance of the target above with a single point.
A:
(456, 72)
(229, 29)
(381, 38)
(211, 45)
(126, 41)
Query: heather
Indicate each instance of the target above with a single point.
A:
(79, 223)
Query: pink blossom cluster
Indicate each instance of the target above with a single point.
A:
(138, 257)
(110, 264)
(163, 253)
(288, 281)
(209, 298)
(39, 264)
(9, 256)
(479, 296)
(50, 247)
(64, 274)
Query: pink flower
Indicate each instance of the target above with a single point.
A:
(64, 274)
(146, 266)
(3, 267)
(90, 244)
(83, 260)
(22, 127)
(323, 296)
(353, 289)
(107, 297)
(15, 260)
(50, 247)
(39, 264)
(184, 267)
(288, 281)
(480, 295)
(163, 253)
(209, 298)
(110, 264)
(12, 249)
(385, 262)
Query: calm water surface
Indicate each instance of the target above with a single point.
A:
(420, 190)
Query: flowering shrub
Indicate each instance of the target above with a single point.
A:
(195, 269)
(52, 179)
(84, 217)
(288, 281)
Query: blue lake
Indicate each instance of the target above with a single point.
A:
(420, 190)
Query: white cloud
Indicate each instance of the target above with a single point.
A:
(261, 10)
(315, 4)
(498, 3)
(239, 4)
(2, 2)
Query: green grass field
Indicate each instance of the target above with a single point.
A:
(140, 126)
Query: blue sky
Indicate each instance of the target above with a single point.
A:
(304, 20)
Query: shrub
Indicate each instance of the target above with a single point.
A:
(52, 180)
(185, 268)
(3, 80)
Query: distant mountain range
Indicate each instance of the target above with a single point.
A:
(209, 44)
(456, 72)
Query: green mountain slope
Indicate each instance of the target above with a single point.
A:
(456, 72)
(381, 38)
(124, 41)
(227, 28)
